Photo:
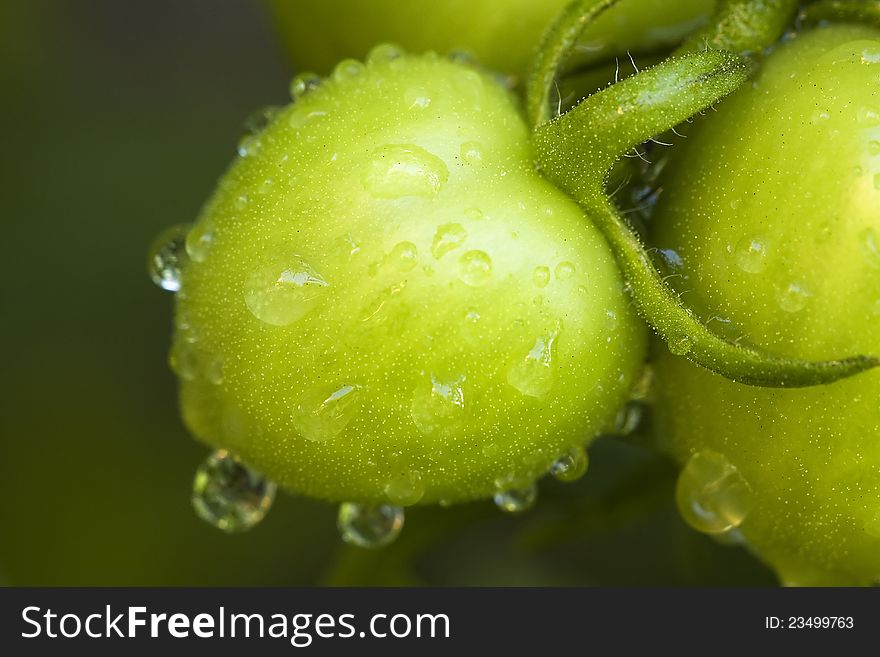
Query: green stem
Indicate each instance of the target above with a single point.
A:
(743, 26)
(555, 47)
(857, 11)
(575, 151)
(580, 146)
(688, 336)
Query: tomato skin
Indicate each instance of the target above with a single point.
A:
(501, 34)
(773, 209)
(386, 303)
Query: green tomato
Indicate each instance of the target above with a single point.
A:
(770, 225)
(501, 34)
(385, 303)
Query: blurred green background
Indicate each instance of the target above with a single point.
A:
(118, 117)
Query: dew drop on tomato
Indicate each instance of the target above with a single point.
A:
(711, 494)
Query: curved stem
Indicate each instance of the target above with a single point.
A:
(556, 45)
(858, 11)
(575, 150)
(579, 147)
(743, 26)
(688, 336)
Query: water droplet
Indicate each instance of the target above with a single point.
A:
(241, 202)
(612, 321)
(199, 241)
(870, 56)
(283, 290)
(644, 388)
(229, 495)
(447, 238)
(474, 213)
(417, 97)
(730, 538)
(376, 311)
(323, 414)
(711, 494)
(492, 450)
(398, 170)
(564, 271)
(680, 345)
(214, 371)
(183, 361)
(266, 185)
(301, 118)
(541, 276)
(439, 405)
(874, 147)
(384, 53)
(533, 375)
(406, 489)
(793, 297)
(249, 145)
(347, 69)
(472, 152)
(571, 466)
(475, 268)
(516, 500)
(472, 316)
(404, 256)
(259, 120)
(628, 418)
(184, 325)
(819, 117)
(462, 57)
(303, 84)
(671, 262)
(369, 526)
(868, 116)
(870, 246)
(167, 257)
(469, 86)
(750, 255)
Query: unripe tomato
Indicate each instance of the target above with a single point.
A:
(501, 34)
(385, 303)
(772, 213)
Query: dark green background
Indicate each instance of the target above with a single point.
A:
(117, 118)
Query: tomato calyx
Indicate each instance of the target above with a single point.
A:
(577, 150)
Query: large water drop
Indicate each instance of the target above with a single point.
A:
(229, 495)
